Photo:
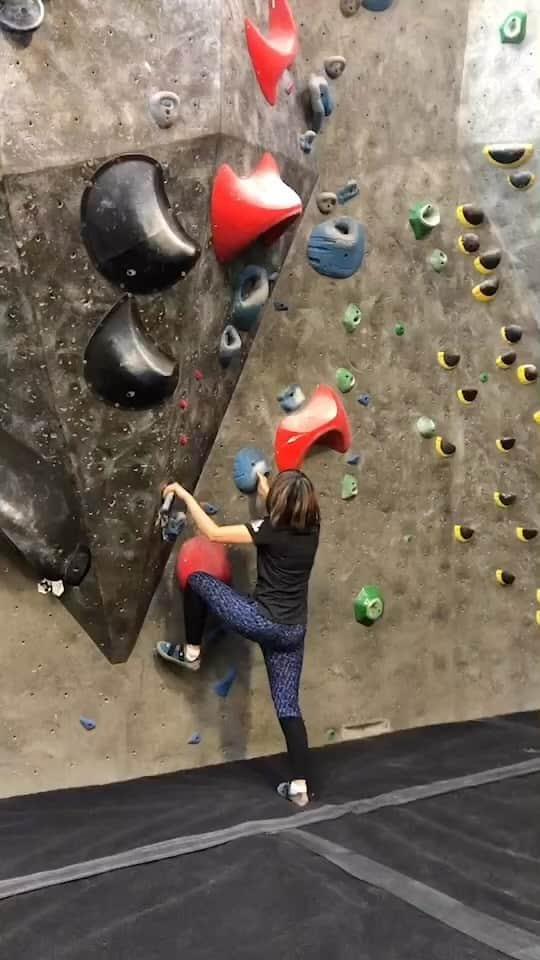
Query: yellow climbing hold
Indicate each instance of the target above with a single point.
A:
(505, 578)
(448, 360)
(463, 534)
(444, 448)
(527, 373)
(504, 500)
(486, 290)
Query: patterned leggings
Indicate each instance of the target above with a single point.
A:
(282, 645)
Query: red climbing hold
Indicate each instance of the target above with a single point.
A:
(200, 555)
(322, 420)
(272, 55)
(183, 404)
(183, 440)
(198, 374)
(246, 208)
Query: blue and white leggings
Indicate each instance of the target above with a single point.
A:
(282, 646)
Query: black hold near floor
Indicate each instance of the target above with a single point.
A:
(264, 896)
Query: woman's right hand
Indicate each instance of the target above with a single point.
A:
(175, 488)
(263, 487)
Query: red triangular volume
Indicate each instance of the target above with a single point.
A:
(273, 54)
(322, 420)
(244, 209)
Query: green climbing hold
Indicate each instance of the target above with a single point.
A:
(345, 380)
(426, 427)
(514, 28)
(399, 329)
(349, 487)
(484, 377)
(408, 537)
(352, 318)
(368, 606)
(331, 735)
(438, 260)
(423, 217)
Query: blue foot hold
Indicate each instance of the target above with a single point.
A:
(292, 398)
(348, 191)
(336, 247)
(251, 292)
(364, 399)
(353, 460)
(87, 723)
(248, 462)
(223, 687)
(209, 508)
(377, 6)
(195, 739)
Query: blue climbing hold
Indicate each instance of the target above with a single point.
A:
(195, 739)
(273, 277)
(248, 462)
(364, 399)
(353, 460)
(292, 398)
(280, 307)
(376, 6)
(223, 687)
(251, 292)
(230, 345)
(336, 247)
(347, 192)
(209, 508)
(321, 101)
(307, 140)
(87, 723)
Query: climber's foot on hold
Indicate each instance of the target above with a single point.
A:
(177, 653)
(295, 791)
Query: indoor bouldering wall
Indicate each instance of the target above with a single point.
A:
(375, 302)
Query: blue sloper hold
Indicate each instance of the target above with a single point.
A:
(377, 6)
(195, 739)
(336, 247)
(353, 460)
(347, 192)
(251, 292)
(87, 723)
(321, 101)
(364, 399)
(223, 687)
(292, 398)
(248, 462)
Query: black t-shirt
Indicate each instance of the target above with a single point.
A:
(284, 562)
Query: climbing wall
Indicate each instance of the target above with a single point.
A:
(374, 302)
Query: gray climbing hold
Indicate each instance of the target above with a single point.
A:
(326, 201)
(164, 108)
(21, 16)
(349, 7)
(251, 292)
(230, 345)
(307, 140)
(334, 66)
(195, 739)
(426, 427)
(348, 191)
(438, 260)
(292, 398)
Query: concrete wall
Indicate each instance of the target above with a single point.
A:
(452, 644)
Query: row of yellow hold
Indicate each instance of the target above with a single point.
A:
(465, 534)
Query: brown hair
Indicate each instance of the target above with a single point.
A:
(292, 501)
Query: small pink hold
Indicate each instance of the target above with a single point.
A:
(183, 404)
(198, 375)
(289, 88)
(183, 440)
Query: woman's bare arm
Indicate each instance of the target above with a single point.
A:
(237, 534)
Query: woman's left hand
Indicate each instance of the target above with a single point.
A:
(175, 488)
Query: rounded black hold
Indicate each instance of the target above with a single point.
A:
(471, 215)
(488, 261)
(123, 365)
(506, 360)
(21, 16)
(129, 229)
(505, 578)
(469, 243)
(521, 179)
(512, 333)
(506, 443)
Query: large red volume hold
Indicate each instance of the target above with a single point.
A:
(246, 208)
(200, 555)
(322, 420)
(272, 55)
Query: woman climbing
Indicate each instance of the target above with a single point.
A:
(275, 617)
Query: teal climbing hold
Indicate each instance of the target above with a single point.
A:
(352, 318)
(321, 102)
(347, 192)
(423, 218)
(514, 28)
(345, 380)
(251, 292)
(377, 6)
(336, 247)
